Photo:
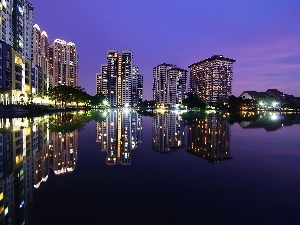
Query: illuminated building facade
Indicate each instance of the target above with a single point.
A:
(126, 77)
(102, 81)
(137, 86)
(98, 82)
(63, 60)
(119, 80)
(160, 81)
(140, 88)
(209, 138)
(16, 44)
(169, 84)
(40, 62)
(211, 78)
(168, 132)
(118, 135)
(176, 85)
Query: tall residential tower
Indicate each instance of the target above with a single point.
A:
(63, 60)
(212, 78)
(40, 79)
(119, 80)
(16, 49)
(169, 84)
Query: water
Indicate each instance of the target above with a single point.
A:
(164, 170)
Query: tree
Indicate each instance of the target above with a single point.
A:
(97, 99)
(193, 101)
(147, 104)
(78, 94)
(61, 93)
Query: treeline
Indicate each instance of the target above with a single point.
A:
(233, 103)
(63, 95)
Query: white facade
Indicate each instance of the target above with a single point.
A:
(176, 85)
(63, 59)
(40, 48)
(160, 82)
(27, 26)
(126, 68)
(246, 95)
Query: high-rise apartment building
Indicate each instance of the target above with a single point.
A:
(140, 88)
(137, 86)
(40, 80)
(16, 44)
(40, 55)
(6, 22)
(126, 77)
(63, 60)
(212, 78)
(159, 82)
(119, 80)
(169, 84)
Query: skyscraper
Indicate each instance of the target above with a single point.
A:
(137, 86)
(169, 84)
(40, 62)
(16, 48)
(119, 80)
(212, 78)
(176, 85)
(63, 60)
(140, 88)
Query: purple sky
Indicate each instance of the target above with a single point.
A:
(262, 36)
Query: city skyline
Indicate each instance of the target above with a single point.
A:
(263, 37)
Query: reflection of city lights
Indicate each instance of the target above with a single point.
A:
(105, 113)
(126, 110)
(274, 117)
(105, 102)
(274, 104)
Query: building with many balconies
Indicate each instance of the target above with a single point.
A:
(211, 79)
(119, 80)
(63, 59)
(169, 84)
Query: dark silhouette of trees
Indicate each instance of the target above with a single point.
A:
(193, 101)
(67, 94)
(147, 104)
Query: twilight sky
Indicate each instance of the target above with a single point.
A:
(261, 35)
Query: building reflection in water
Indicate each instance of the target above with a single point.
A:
(119, 134)
(167, 132)
(27, 151)
(209, 138)
(268, 120)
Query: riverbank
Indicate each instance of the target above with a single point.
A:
(10, 111)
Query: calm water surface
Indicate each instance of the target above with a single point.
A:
(163, 170)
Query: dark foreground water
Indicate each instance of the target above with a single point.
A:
(164, 170)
